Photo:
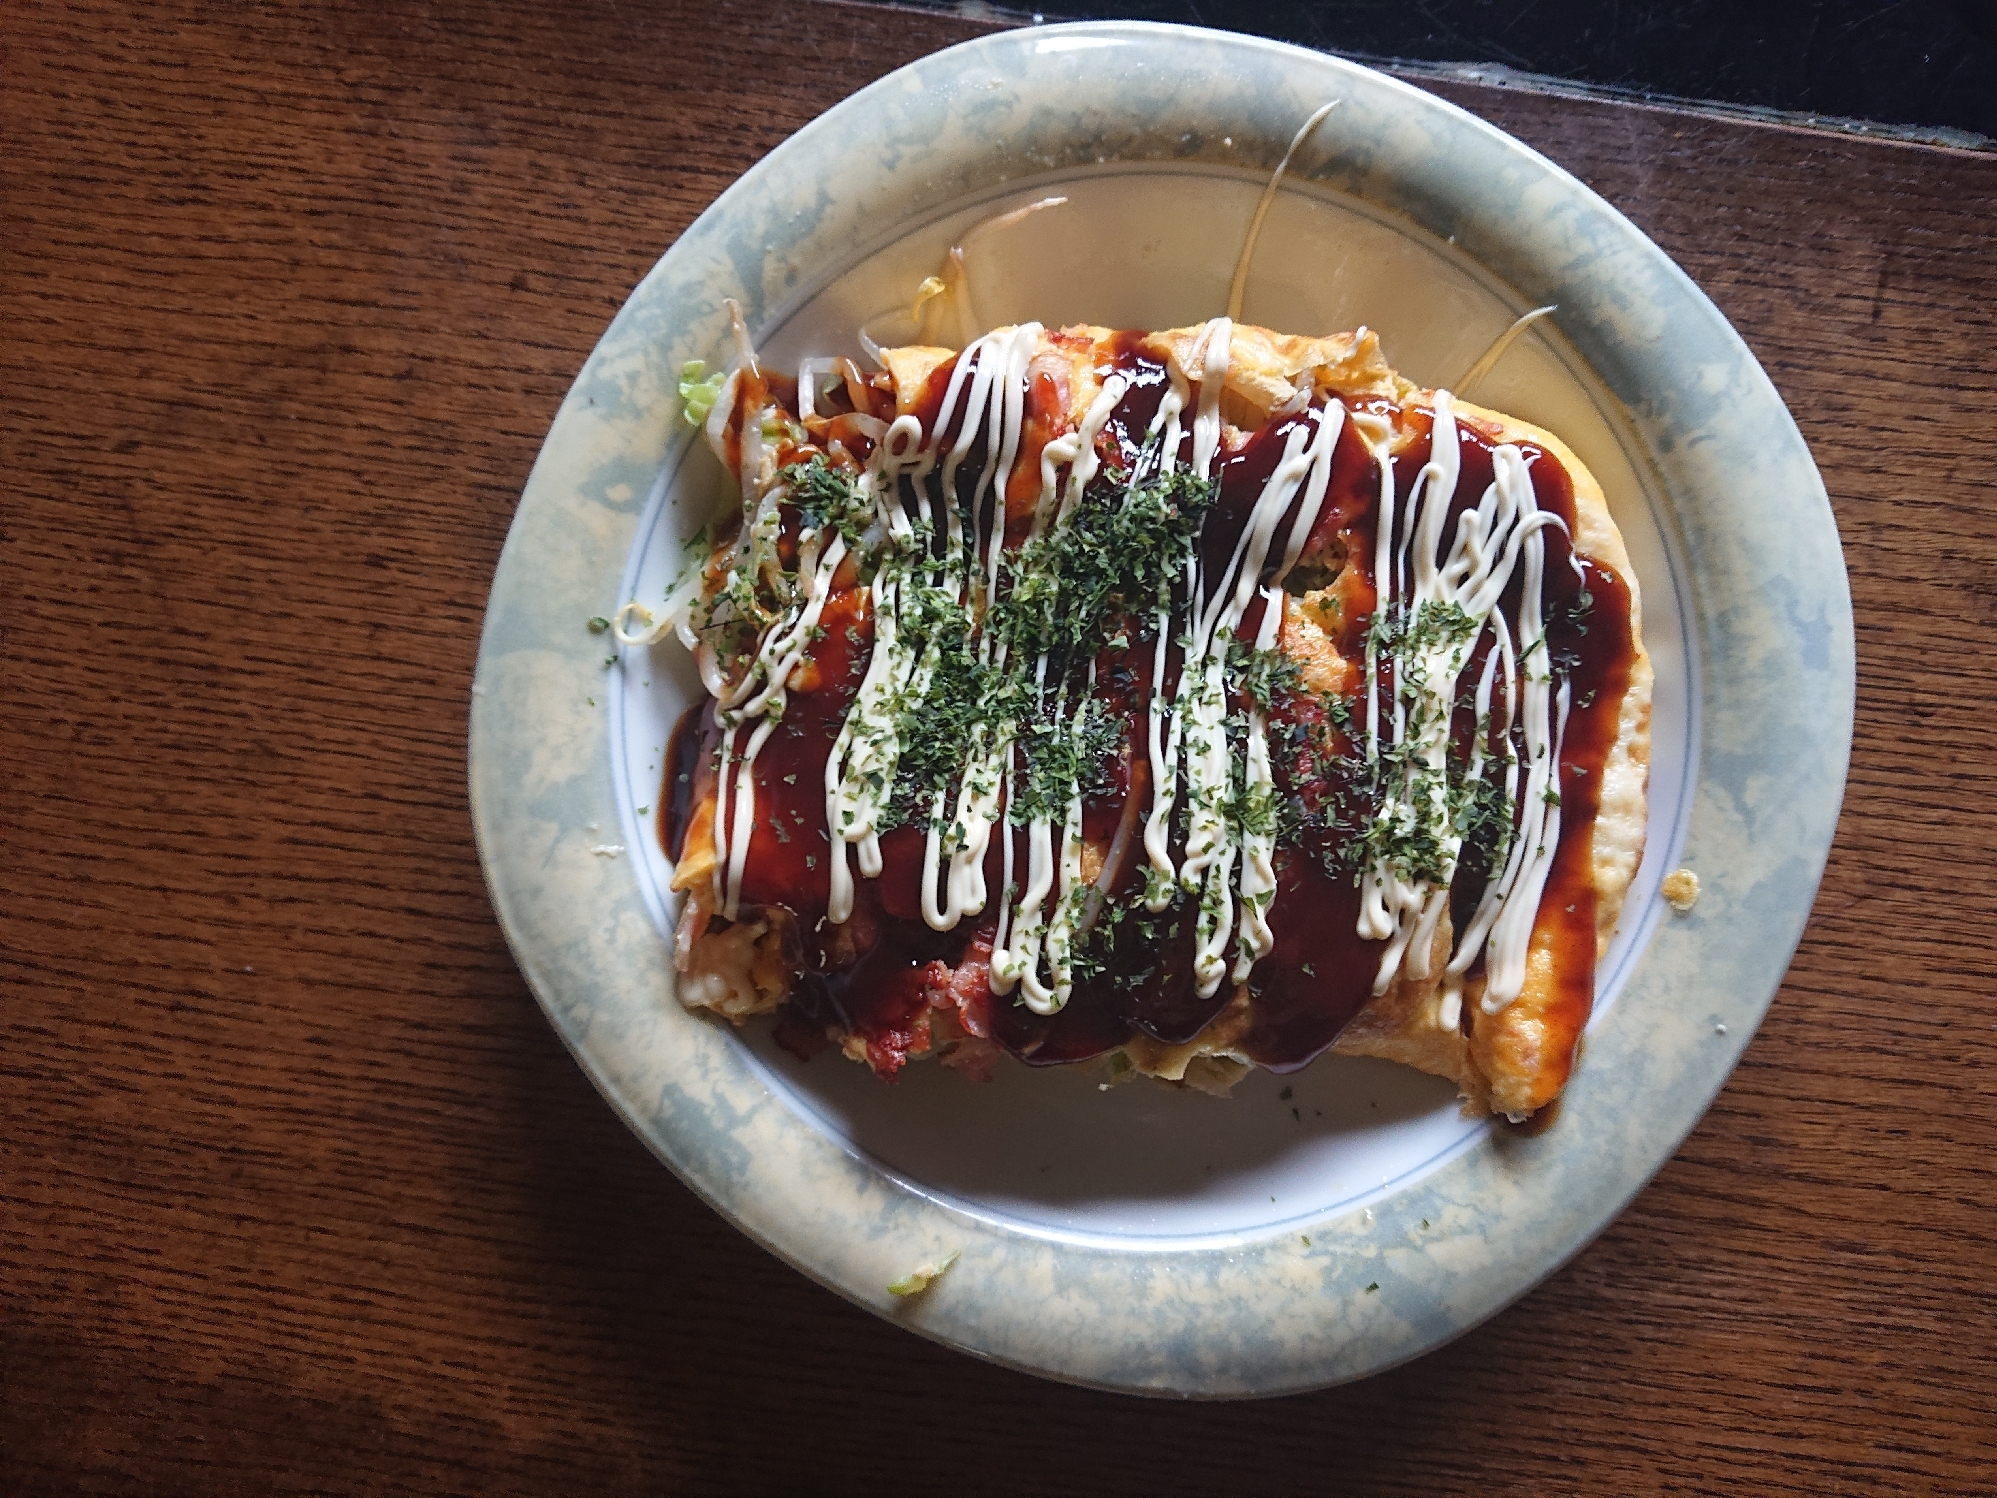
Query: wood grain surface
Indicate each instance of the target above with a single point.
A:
(299, 1190)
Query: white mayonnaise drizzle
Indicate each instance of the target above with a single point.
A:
(1220, 605)
(1164, 728)
(1443, 601)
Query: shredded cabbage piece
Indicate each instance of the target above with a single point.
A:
(918, 1280)
(698, 391)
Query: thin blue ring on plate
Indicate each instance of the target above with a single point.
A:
(1263, 1312)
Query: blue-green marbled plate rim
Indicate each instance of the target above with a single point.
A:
(1264, 1312)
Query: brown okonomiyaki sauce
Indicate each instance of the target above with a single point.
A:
(691, 735)
(876, 976)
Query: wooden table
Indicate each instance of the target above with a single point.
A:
(299, 1189)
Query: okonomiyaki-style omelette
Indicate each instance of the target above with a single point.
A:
(1200, 699)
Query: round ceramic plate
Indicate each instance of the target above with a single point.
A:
(1310, 1229)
